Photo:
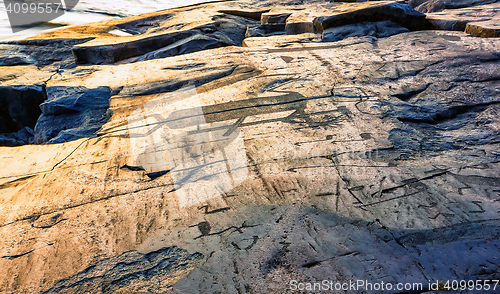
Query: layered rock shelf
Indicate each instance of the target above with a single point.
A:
(238, 146)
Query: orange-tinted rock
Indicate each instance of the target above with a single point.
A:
(484, 29)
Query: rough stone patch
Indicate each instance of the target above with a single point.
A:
(131, 272)
(265, 30)
(71, 113)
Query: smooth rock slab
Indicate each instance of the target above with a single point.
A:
(457, 19)
(342, 184)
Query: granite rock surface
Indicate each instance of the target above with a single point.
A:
(200, 153)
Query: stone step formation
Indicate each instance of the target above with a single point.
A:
(252, 147)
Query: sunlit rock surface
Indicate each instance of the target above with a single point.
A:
(188, 157)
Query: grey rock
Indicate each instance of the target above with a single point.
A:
(5, 140)
(63, 100)
(274, 18)
(131, 272)
(11, 55)
(39, 52)
(265, 30)
(53, 129)
(377, 29)
(22, 137)
(401, 14)
(189, 45)
(71, 113)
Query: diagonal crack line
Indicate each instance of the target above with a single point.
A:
(387, 190)
(15, 256)
(53, 167)
(86, 203)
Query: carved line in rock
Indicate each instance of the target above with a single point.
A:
(205, 228)
(31, 216)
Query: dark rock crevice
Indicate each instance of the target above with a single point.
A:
(405, 96)
(19, 112)
(40, 114)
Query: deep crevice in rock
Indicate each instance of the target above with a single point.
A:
(19, 112)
